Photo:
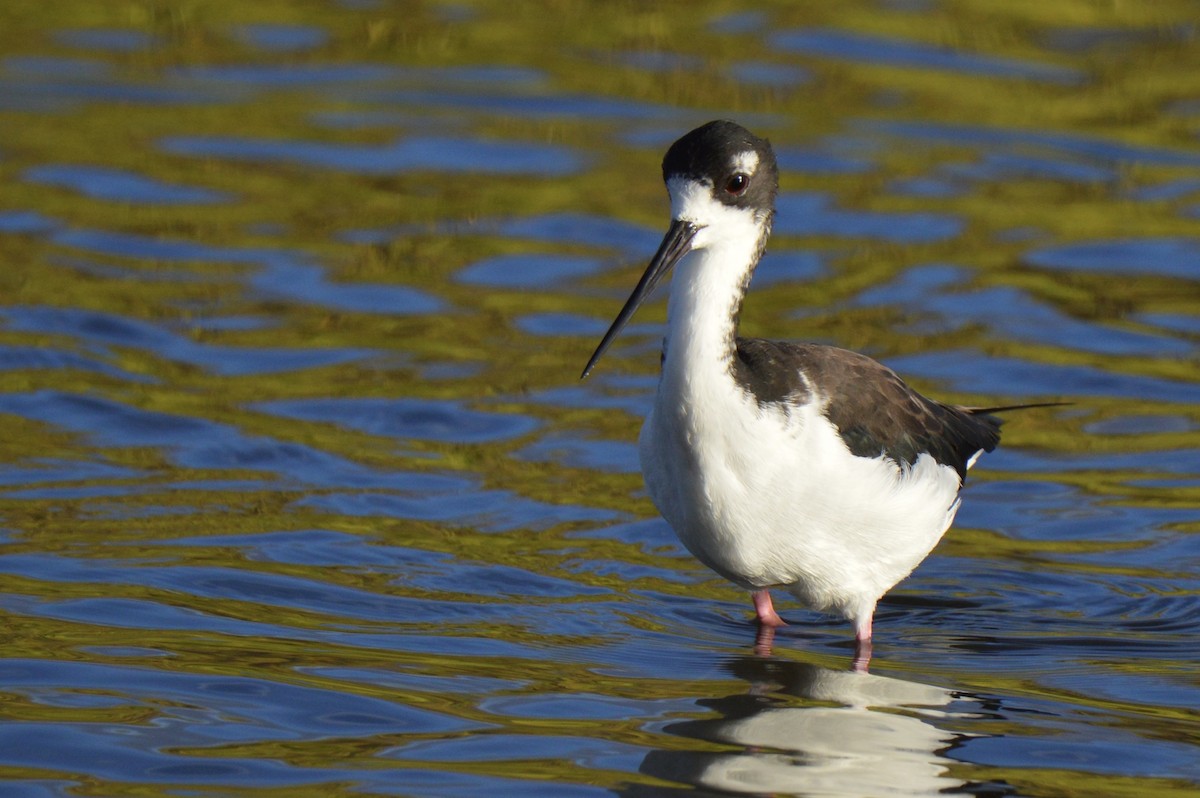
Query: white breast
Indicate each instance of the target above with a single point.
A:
(771, 496)
(767, 500)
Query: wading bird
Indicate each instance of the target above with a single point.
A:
(783, 465)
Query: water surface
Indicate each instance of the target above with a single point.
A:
(300, 492)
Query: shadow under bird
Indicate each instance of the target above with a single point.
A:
(783, 465)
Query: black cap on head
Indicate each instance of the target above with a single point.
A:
(740, 172)
(716, 152)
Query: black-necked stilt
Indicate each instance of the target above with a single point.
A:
(798, 466)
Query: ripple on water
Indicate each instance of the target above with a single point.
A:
(282, 273)
(939, 290)
(113, 40)
(572, 229)
(810, 214)
(415, 154)
(213, 589)
(119, 185)
(739, 22)
(1088, 747)
(38, 470)
(606, 391)
(661, 61)
(653, 536)
(26, 223)
(108, 423)
(303, 465)
(49, 84)
(765, 73)
(1167, 190)
(1055, 512)
(197, 443)
(153, 248)
(24, 358)
(500, 747)
(581, 228)
(92, 327)
(528, 270)
(560, 324)
(360, 79)
(292, 278)
(485, 510)
(1142, 424)
(406, 418)
(1180, 323)
(789, 266)
(835, 43)
(974, 372)
(245, 592)
(1169, 257)
(264, 709)
(1097, 149)
(39, 68)
(571, 451)
(283, 75)
(282, 38)
(500, 581)
(529, 103)
(821, 161)
(999, 167)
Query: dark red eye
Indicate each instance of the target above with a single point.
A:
(737, 184)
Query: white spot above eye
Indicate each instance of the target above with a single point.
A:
(746, 162)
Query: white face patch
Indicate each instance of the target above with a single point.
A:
(690, 199)
(693, 201)
(746, 162)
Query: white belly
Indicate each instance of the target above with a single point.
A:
(771, 498)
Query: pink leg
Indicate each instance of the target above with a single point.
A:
(765, 610)
(862, 644)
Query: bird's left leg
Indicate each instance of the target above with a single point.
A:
(862, 643)
(768, 621)
(765, 610)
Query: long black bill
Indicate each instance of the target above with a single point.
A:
(675, 244)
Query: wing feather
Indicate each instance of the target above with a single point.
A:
(875, 412)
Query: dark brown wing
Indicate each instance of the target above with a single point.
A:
(875, 412)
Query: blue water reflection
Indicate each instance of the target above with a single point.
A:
(810, 214)
(857, 47)
(300, 492)
(404, 155)
(283, 38)
(119, 186)
(1165, 256)
(91, 330)
(407, 419)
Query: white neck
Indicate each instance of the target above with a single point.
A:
(706, 294)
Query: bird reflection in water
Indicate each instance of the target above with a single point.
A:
(863, 735)
(764, 644)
